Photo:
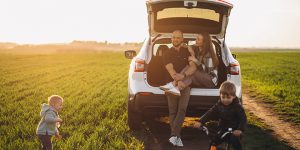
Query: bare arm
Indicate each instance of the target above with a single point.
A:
(193, 57)
(192, 69)
(191, 51)
(171, 70)
(179, 76)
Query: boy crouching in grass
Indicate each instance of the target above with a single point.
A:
(230, 113)
(48, 126)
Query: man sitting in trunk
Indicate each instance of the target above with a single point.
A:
(175, 60)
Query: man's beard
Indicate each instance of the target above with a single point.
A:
(177, 45)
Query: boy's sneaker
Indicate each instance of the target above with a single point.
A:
(179, 142)
(173, 140)
(173, 91)
(167, 86)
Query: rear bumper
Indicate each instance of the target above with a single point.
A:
(157, 104)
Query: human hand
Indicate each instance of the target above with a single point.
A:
(237, 133)
(178, 77)
(181, 85)
(58, 119)
(197, 125)
(192, 58)
(173, 77)
(57, 136)
(57, 124)
(184, 45)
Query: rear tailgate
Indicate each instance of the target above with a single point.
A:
(206, 15)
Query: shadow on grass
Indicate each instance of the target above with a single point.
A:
(257, 138)
(155, 134)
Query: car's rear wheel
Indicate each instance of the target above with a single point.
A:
(134, 117)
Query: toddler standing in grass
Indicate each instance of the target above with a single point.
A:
(48, 126)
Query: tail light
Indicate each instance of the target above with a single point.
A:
(145, 93)
(234, 68)
(139, 65)
(213, 147)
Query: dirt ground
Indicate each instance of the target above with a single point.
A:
(281, 129)
(158, 132)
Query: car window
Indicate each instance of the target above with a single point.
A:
(155, 47)
(197, 13)
(190, 42)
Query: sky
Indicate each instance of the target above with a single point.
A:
(253, 23)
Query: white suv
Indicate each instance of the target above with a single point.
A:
(191, 17)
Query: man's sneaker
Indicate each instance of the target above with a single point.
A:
(173, 140)
(167, 86)
(179, 142)
(173, 91)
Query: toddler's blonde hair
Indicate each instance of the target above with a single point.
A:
(53, 99)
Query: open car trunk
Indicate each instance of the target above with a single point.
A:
(165, 16)
(156, 71)
(191, 17)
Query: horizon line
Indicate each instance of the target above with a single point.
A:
(140, 42)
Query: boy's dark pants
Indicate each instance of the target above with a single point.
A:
(46, 141)
(234, 141)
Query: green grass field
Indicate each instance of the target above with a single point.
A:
(94, 87)
(274, 77)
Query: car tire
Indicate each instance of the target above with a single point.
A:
(134, 118)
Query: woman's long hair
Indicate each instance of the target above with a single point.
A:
(207, 48)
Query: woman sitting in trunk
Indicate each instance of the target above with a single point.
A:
(204, 56)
